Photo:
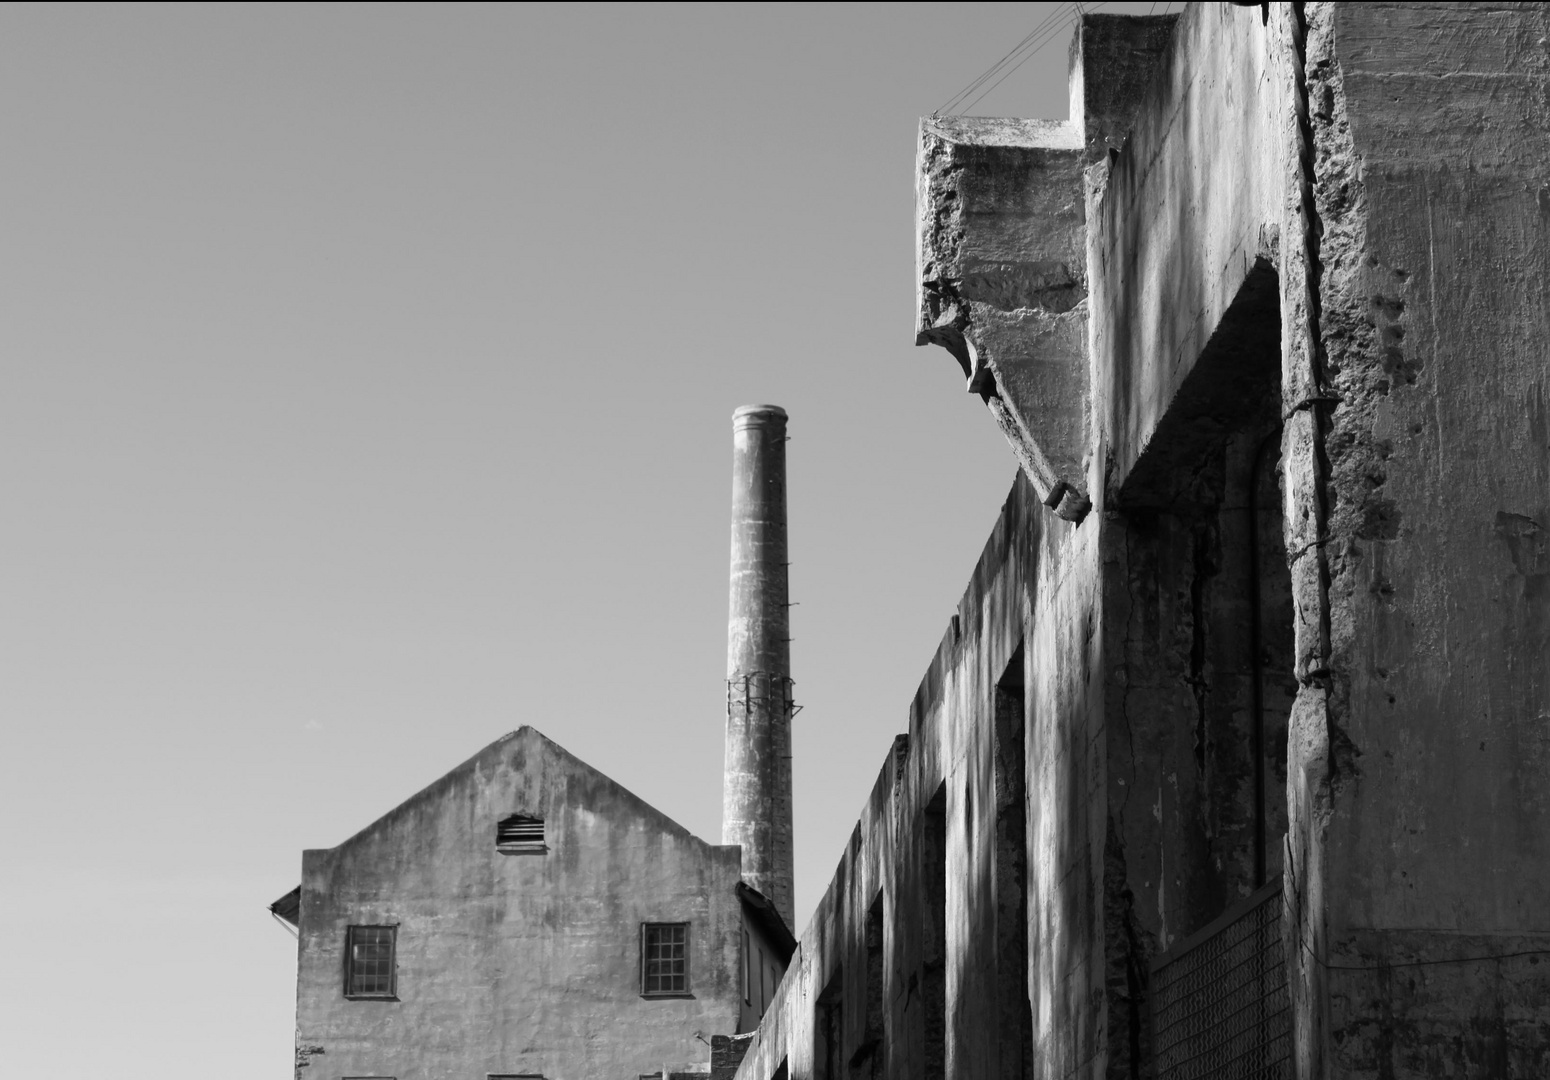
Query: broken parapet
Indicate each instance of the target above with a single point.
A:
(1003, 284)
(1002, 235)
(727, 1053)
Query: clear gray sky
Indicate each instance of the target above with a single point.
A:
(367, 383)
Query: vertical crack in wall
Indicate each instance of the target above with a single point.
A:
(1136, 982)
(1126, 973)
(1334, 207)
(1305, 415)
(1204, 566)
(1123, 666)
(1312, 231)
(1127, 990)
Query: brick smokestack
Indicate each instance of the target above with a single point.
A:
(756, 791)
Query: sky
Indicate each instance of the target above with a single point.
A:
(366, 379)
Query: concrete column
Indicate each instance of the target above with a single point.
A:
(756, 792)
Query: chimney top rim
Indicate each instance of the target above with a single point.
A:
(750, 412)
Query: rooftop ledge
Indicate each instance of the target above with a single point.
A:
(1010, 131)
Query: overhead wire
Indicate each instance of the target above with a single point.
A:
(1049, 36)
(1053, 21)
(1045, 31)
(1034, 38)
(1040, 36)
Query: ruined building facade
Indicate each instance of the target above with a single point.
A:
(1233, 760)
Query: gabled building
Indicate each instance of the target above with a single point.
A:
(522, 916)
(525, 916)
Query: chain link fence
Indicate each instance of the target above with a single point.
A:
(1220, 1007)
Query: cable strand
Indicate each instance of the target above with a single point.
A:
(1053, 19)
(1031, 54)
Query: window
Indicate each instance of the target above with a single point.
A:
(867, 1059)
(369, 966)
(750, 959)
(520, 834)
(664, 959)
(1010, 873)
(829, 1029)
(933, 899)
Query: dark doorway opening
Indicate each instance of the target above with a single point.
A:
(1011, 883)
(867, 1061)
(829, 1029)
(933, 906)
(1198, 607)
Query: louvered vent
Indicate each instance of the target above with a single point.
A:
(520, 833)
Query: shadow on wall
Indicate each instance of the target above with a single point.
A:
(1200, 616)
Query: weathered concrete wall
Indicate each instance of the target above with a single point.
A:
(904, 969)
(1180, 214)
(516, 963)
(1388, 171)
(1002, 283)
(1199, 683)
(1068, 775)
(1151, 621)
(1304, 629)
(1430, 138)
(897, 968)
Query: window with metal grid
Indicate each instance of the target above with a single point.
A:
(1220, 1007)
(369, 968)
(664, 958)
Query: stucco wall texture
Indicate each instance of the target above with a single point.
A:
(1274, 302)
(520, 963)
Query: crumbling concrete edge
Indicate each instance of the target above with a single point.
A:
(1309, 68)
(1002, 319)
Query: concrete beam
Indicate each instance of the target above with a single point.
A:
(1003, 284)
